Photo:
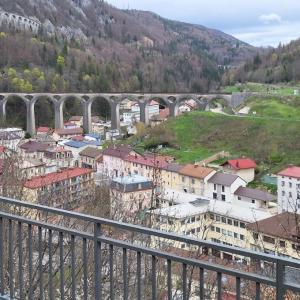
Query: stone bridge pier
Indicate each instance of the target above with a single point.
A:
(172, 101)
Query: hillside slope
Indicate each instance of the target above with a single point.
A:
(276, 65)
(124, 50)
(194, 136)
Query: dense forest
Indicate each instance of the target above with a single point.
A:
(90, 46)
(280, 64)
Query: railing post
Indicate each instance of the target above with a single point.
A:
(280, 270)
(97, 261)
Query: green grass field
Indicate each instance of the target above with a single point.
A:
(280, 90)
(275, 107)
(194, 136)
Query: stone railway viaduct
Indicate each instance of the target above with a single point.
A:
(172, 101)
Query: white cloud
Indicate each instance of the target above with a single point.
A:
(270, 18)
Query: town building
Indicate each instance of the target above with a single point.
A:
(114, 160)
(171, 179)
(61, 134)
(43, 130)
(89, 158)
(221, 186)
(59, 157)
(32, 167)
(131, 194)
(194, 178)
(277, 235)
(288, 190)
(33, 149)
(66, 188)
(242, 167)
(78, 120)
(11, 137)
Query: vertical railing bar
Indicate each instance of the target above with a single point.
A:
(139, 275)
(1, 258)
(85, 269)
(125, 278)
(20, 261)
(50, 265)
(184, 281)
(73, 266)
(201, 284)
(97, 261)
(40, 246)
(61, 265)
(111, 272)
(169, 279)
(154, 288)
(238, 288)
(11, 259)
(30, 272)
(280, 270)
(219, 279)
(257, 291)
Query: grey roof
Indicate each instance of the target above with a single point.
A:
(254, 194)
(172, 167)
(121, 151)
(223, 179)
(32, 146)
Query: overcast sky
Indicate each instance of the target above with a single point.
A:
(258, 22)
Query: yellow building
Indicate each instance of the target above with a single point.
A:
(170, 177)
(278, 235)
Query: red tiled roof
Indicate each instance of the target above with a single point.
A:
(40, 181)
(150, 160)
(195, 171)
(43, 129)
(292, 171)
(241, 163)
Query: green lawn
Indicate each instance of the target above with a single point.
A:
(194, 136)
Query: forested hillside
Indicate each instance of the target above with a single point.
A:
(91, 46)
(276, 65)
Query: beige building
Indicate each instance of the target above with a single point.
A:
(170, 177)
(89, 157)
(277, 235)
(67, 188)
(242, 167)
(194, 179)
(130, 195)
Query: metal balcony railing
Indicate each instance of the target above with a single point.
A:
(48, 253)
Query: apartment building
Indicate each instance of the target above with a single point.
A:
(67, 188)
(277, 235)
(90, 157)
(59, 157)
(288, 190)
(222, 186)
(130, 194)
(171, 179)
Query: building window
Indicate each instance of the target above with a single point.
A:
(215, 187)
(253, 201)
(223, 198)
(182, 179)
(215, 196)
(290, 194)
(283, 193)
(282, 183)
(212, 228)
(218, 229)
(218, 218)
(239, 198)
(255, 235)
(290, 185)
(193, 181)
(268, 239)
(229, 221)
(223, 220)
(212, 217)
(223, 188)
(193, 220)
(242, 225)
(235, 235)
(236, 223)
(282, 244)
(242, 237)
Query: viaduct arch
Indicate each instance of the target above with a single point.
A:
(172, 101)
